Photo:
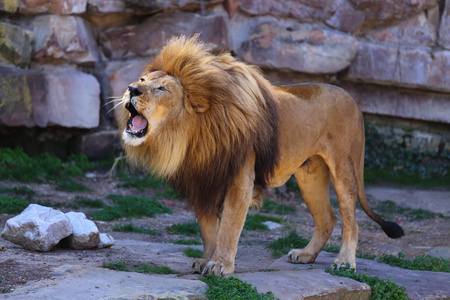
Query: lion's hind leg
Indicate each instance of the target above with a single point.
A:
(313, 179)
(208, 228)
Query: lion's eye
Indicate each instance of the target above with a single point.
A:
(161, 88)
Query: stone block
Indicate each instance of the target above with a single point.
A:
(434, 107)
(352, 15)
(64, 7)
(407, 66)
(85, 233)
(100, 144)
(22, 97)
(9, 6)
(418, 30)
(74, 100)
(37, 228)
(121, 74)
(152, 6)
(15, 44)
(106, 6)
(147, 38)
(444, 29)
(302, 10)
(311, 51)
(64, 38)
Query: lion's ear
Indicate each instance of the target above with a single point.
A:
(197, 106)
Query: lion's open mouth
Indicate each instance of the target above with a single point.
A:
(137, 124)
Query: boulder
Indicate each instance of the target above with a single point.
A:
(37, 228)
(146, 39)
(101, 144)
(9, 6)
(444, 29)
(310, 50)
(65, 39)
(85, 233)
(15, 44)
(106, 241)
(418, 30)
(63, 7)
(152, 6)
(106, 6)
(409, 66)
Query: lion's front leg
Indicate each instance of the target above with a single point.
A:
(208, 229)
(235, 208)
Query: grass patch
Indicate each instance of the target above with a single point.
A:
(188, 242)
(380, 289)
(18, 166)
(279, 209)
(366, 255)
(255, 222)
(285, 244)
(19, 190)
(135, 229)
(88, 202)
(232, 288)
(389, 207)
(12, 205)
(131, 207)
(140, 181)
(191, 252)
(71, 187)
(422, 263)
(144, 268)
(190, 228)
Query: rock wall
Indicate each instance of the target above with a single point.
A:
(63, 61)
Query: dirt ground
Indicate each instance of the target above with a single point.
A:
(17, 266)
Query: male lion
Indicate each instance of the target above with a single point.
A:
(220, 133)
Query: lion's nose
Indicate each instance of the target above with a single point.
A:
(134, 90)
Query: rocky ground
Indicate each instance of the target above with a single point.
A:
(18, 266)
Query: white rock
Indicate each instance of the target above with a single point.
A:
(106, 241)
(85, 233)
(272, 225)
(37, 228)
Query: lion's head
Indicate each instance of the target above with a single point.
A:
(194, 118)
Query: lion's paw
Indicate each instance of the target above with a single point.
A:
(217, 268)
(339, 263)
(297, 256)
(198, 265)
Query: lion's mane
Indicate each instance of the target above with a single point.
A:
(201, 153)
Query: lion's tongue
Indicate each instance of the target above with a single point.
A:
(139, 122)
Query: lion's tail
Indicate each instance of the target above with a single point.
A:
(392, 229)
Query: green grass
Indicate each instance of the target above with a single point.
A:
(72, 187)
(140, 181)
(144, 268)
(380, 289)
(131, 207)
(190, 228)
(255, 222)
(283, 245)
(18, 166)
(389, 207)
(19, 190)
(87, 202)
(191, 252)
(188, 242)
(232, 288)
(135, 229)
(12, 205)
(422, 263)
(366, 255)
(279, 209)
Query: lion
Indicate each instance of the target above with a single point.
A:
(220, 133)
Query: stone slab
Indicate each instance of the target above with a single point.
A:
(418, 284)
(97, 283)
(307, 284)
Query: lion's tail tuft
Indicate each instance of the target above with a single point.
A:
(392, 229)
